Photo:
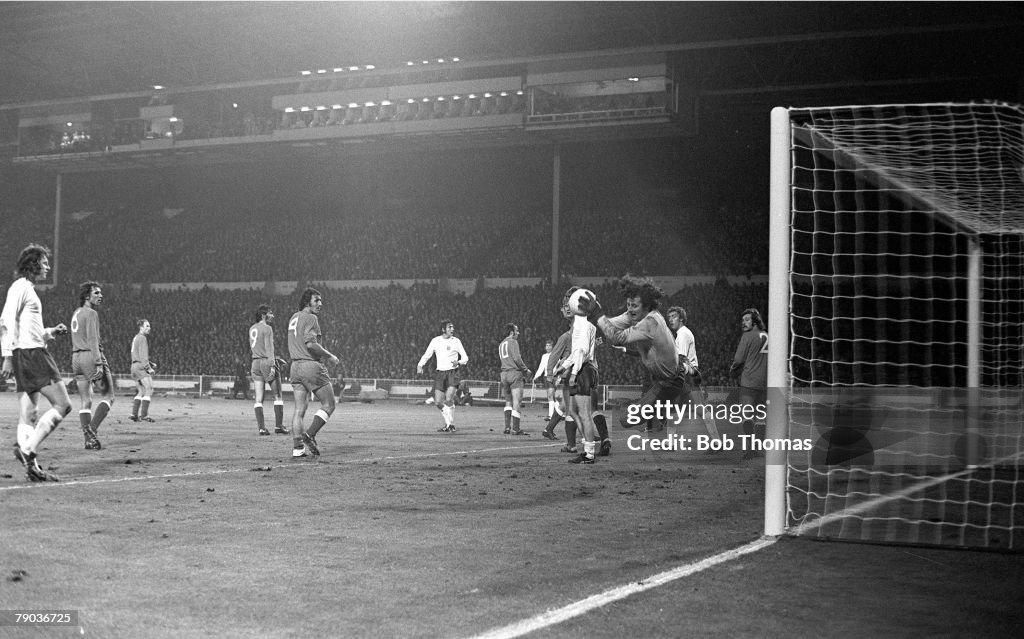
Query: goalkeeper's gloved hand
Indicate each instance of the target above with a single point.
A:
(589, 305)
(99, 374)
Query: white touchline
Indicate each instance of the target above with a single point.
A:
(583, 606)
(809, 527)
(294, 464)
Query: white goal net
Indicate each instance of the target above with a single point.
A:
(902, 233)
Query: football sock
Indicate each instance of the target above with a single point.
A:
(50, 420)
(508, 416)
(101, 413)
(278, 413)
(24, 434)
(319, 419)
(553, 421)
(144, 410)
(588, 448)
(135, 406)
(570, 434)
(602, 426)
(515, 420)
(85, 417)
(258, 409)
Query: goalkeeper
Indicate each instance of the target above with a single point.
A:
(643, 332)
(266, 369)
(88, 364)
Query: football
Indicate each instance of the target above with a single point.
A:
(574, 300)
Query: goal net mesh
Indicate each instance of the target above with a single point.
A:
(906, 308)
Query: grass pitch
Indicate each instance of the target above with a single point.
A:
(194, 526)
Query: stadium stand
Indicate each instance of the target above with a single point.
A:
(379, 333)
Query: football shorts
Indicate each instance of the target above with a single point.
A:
(34, 369)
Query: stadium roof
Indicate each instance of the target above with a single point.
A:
(739, 51)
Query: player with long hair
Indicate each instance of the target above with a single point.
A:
(23, 340)
(750, 367)
(643, 331)
(88, 363)
(310, 373)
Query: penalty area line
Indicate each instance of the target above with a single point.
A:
(257, 468)
(553, 617)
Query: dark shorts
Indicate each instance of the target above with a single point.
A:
(752, 396)
(34, 369)
(586, 381)
(443, 380)
(83, 365)
(510, 380)
(139, 372)
(262, 369)
(311, 375)
(661, 390)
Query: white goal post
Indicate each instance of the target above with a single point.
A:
(896, 324)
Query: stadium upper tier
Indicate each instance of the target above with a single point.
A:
(622, 207)
(175, 245)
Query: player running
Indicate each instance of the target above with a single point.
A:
(23, 343)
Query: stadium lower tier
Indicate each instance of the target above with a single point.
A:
(380, 333)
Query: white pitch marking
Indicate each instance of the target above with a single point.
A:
(584, 606)
(293, 464)
(809, 527)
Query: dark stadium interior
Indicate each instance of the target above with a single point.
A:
(854, 170)
(692, 204)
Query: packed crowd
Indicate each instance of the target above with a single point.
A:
(380, 333)
(191, 245)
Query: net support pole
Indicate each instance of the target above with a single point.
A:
(973, 350)
(778, 321)
(556, 187)
(55, 255)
